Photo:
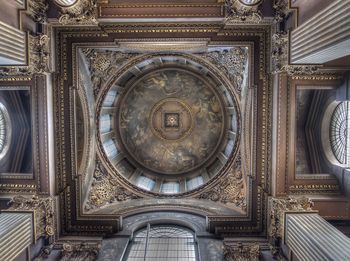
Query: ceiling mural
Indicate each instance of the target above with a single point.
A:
(167, 124)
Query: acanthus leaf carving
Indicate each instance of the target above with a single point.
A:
(106, 190)
(231, 190)
(242, 252)
(104, 64)
(43, 208)
(233, 62)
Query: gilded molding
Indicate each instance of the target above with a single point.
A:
(43, 209)
(242, 252)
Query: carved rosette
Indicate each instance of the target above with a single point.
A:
(106, 190)
(237, 12)
(79, 251)
(233, 62)
(82, 12)
(231, 190)
(242, 252)
(43, 209)
(278, 207)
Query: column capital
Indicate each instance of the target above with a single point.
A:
(43, 210)
(242, 252)
(277, 209)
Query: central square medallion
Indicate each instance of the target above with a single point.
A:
(171, 120)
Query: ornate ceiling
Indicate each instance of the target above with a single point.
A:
(193, 113)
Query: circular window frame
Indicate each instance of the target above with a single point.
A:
(4, 114)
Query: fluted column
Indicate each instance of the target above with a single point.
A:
(16, 234)
(324, 37)
(310, 237)
(12, 45)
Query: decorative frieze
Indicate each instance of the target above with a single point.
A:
(43, 209)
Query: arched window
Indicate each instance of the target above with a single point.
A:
(339, 132)
(163, 243)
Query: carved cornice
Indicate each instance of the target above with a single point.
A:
(236, 12)
(242, 252)
(43, 209)
(278, 207)
(83, 12)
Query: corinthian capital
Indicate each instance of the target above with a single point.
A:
(43, 210)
